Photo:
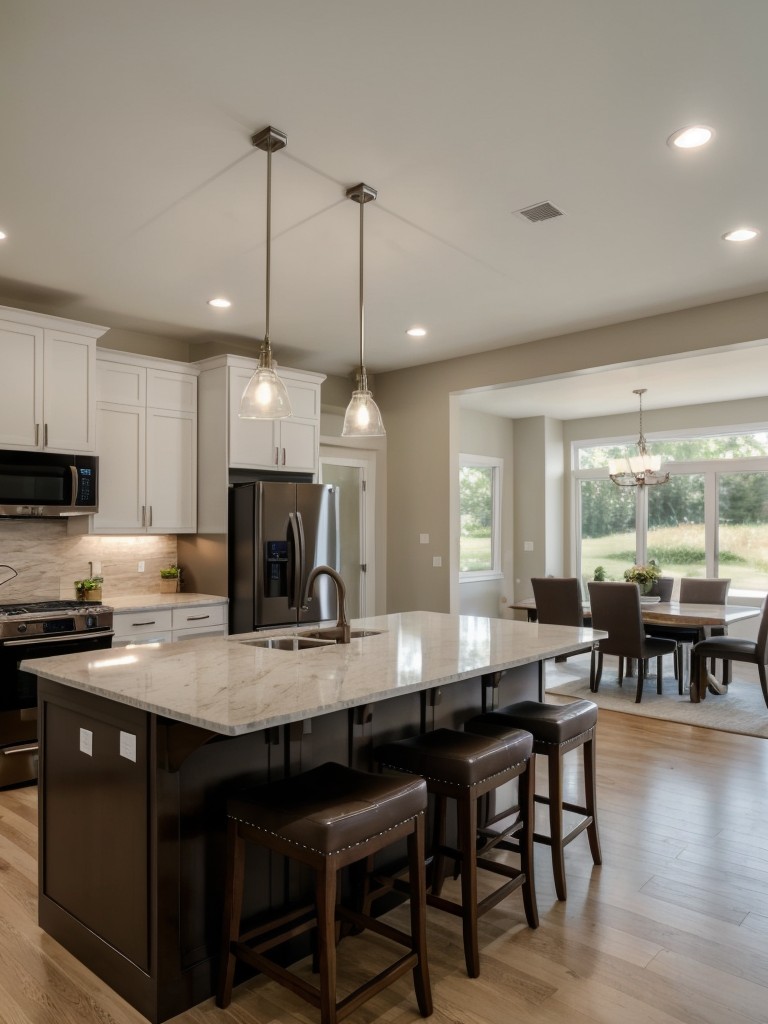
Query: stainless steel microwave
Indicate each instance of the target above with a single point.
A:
(46, 484)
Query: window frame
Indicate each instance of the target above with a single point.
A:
(497, 466)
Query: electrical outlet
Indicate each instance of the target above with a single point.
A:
(423, 538)
(437, 561)
(95, 568)
(527, 545)
(128, 745)
(86, 742)
(140, 567)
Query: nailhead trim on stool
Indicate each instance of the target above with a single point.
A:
(463, 767)
(556, 729)
(326, 818)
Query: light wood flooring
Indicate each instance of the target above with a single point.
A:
(672, 928)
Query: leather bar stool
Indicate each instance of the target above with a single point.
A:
(463, 767)
(326, 818)
(556, 729)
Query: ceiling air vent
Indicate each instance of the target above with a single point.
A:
(539, 212)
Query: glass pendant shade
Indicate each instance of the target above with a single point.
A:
(265, 397)
(362, 418)
(641, 470)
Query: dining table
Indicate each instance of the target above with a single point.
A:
(694, 618)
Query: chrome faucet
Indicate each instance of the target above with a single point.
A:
(340, 633)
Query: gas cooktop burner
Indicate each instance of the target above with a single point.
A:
(36, 607)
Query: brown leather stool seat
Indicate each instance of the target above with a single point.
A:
(326, 818)
(556, 729)
(463, 767)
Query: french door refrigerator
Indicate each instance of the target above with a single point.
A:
(278, 532)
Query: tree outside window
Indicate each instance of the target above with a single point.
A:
(480, 515)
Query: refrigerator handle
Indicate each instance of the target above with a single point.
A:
(297, 532)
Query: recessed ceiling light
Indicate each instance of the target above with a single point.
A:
(416, 332)
(220, 303)
(741, 235)
(2, 235)
(691, 137)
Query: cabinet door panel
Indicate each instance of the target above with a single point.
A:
(121, 469)
(21, 397)
(251, 442)
(299, 445)
(167, 389)
(69, 364)
(125, 383)
(171, 471)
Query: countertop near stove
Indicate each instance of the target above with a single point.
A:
(154, 602)
(229, 687)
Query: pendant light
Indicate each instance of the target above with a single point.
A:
(265, 397)
(362, 418)
(641, 470)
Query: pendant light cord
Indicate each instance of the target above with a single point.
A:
(363, 384)
(269, 244)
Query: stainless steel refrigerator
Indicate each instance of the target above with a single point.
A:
(278, 532)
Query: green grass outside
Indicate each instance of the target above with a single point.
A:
(475, 554)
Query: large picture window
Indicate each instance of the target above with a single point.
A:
(480, 516)
(710, 519)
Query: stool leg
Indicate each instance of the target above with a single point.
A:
(526, 788)
(590, 792)
(233, 905)
(438, 842)
(418, 887)
(325, 901)
(555, 771)
(466, 813)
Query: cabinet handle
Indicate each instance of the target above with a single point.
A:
(21, 750)
(283, 456)
(37, 434)
(143, 515)
(150, 516)
(149, 622)
(196, 618)
(277, 454)
(45, 436)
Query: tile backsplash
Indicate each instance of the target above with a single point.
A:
(48, 560)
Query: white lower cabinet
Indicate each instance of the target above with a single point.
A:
(167, 625)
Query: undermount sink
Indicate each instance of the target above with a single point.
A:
(327, 634)
(288, 643)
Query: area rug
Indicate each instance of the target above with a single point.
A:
(740, 710)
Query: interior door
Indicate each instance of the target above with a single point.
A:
(350, 476)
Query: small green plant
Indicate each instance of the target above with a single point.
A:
(90, 583)
(599, 575)
(644, 575)
(171, 572)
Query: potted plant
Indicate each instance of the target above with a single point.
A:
(644, 575)
(170, 579)
(89, 589)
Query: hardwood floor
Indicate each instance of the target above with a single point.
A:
(672, 928)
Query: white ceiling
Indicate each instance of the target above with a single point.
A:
(130, 192)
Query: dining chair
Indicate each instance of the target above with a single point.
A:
(733, 648)
(558, 603)
(697, 590)
(662, 588)
(616, 609)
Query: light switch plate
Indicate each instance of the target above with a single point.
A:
(527, 545)
(437, 561)
(128, 745)
(423, 538)
(86, 742)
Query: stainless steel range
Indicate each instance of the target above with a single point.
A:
(38, 630)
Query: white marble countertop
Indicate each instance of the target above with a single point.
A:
(152, 602)
(231, 688)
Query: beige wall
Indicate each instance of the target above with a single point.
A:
(423, 441)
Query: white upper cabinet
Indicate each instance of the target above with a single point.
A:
(47, 384)
(290, 445)
(147, 428)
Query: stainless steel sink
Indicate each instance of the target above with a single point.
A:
(288, 643)
(327, 634)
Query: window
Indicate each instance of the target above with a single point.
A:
(710, 519)
(480, 517)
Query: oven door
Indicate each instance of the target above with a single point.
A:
(18, 698)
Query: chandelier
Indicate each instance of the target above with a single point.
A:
(641, 470)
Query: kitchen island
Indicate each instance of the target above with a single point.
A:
(140, 747)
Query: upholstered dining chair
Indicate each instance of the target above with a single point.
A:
(733, 648)
(558, 603)
(697, 590)
(616, 609)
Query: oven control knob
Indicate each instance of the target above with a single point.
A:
(22, 627)
(90, 621)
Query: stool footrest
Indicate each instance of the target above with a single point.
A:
(568, 837)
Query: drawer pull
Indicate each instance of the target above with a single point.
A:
(149, 622)
(196, 618)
